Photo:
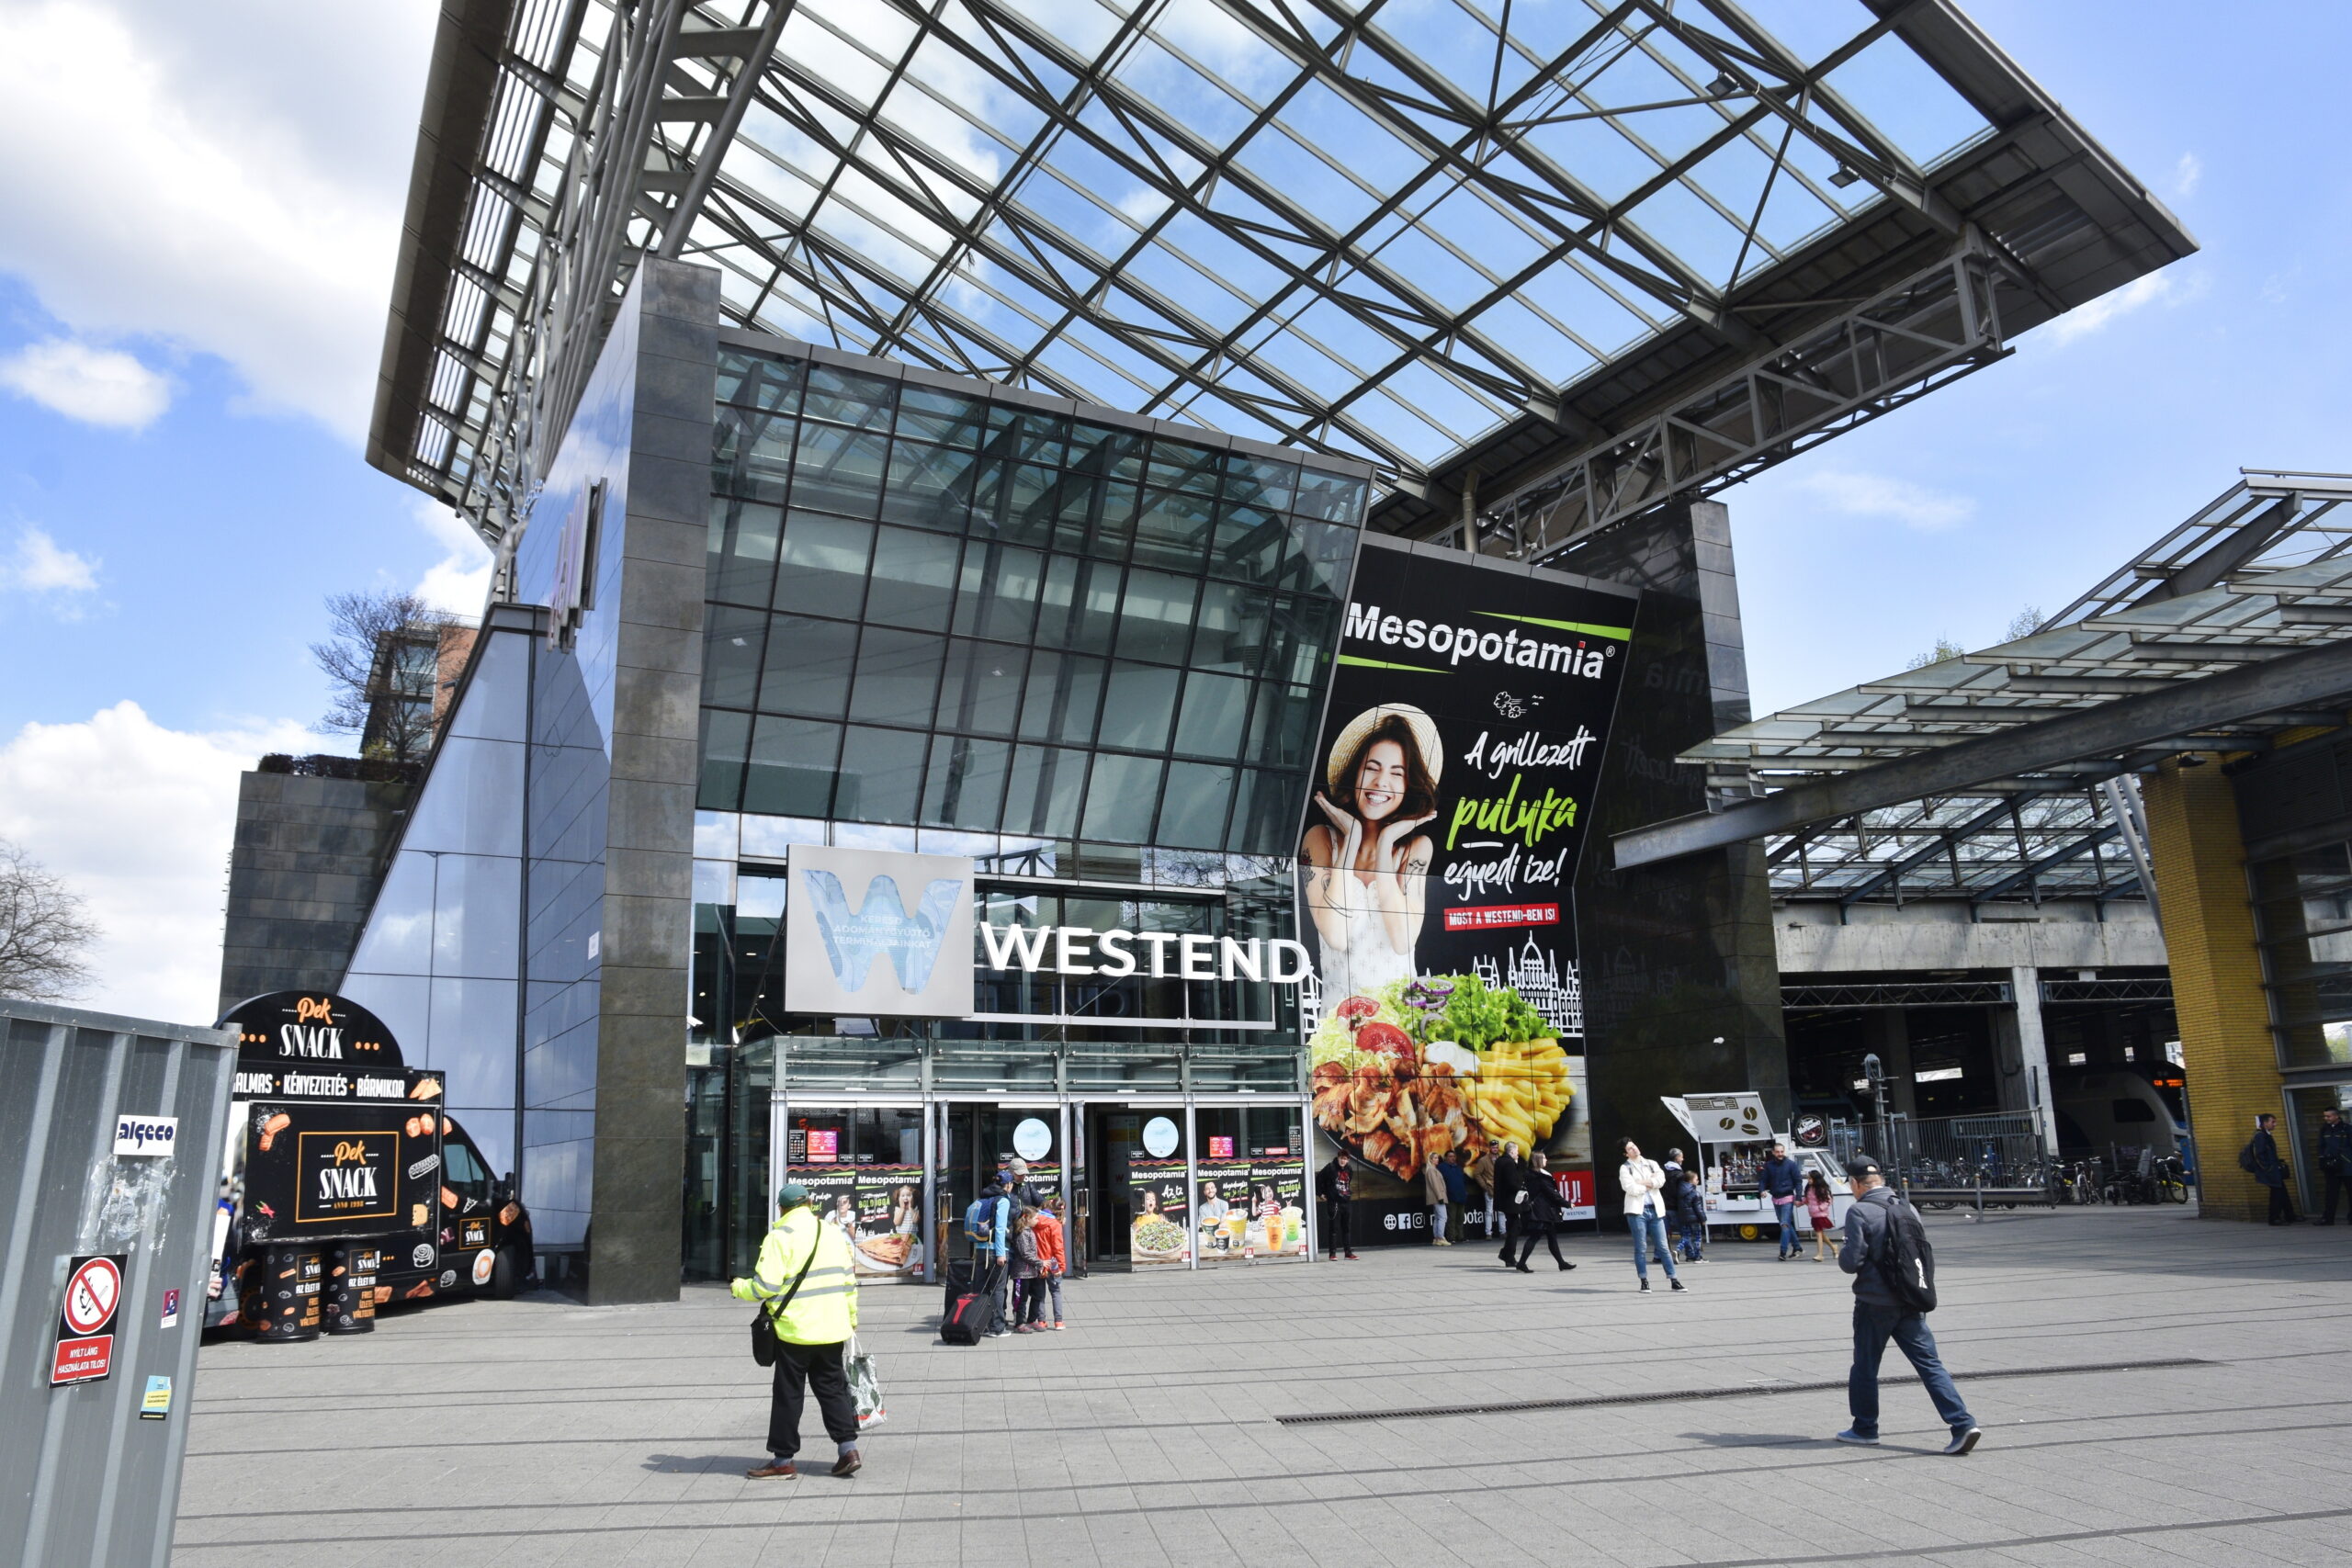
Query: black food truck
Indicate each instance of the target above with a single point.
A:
(344, 1185)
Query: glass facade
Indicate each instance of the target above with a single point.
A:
(2304, 910)
(1086, 651)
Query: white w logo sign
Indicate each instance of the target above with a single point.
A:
(881, 927)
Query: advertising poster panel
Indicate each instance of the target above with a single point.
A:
(1221, 1208)
(890, 1220)
(1155, 1197)
(1455, 790)
(1278, 1206)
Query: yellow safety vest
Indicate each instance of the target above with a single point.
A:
(824, 1310)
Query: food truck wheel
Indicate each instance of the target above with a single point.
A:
(506, 1274)
(1751, 1232)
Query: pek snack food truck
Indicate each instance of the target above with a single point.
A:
(344, 1185)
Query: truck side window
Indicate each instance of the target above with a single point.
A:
(465, 1173)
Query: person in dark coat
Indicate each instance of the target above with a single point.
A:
(2270, 1169)
(1541, 1215)
(1510, 1192)
(1331, 1185)
(2334, 1160)
(1457, 1194)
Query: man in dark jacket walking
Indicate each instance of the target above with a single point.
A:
(2270, 1169)
(1879, 1316)
(1782, 1179)
(1540, 1216)
(2334, 1161)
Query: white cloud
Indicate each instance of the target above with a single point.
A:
(1876, 495)
(228, 177)
(459, 581)
(96, 385)
(38, 565)
(2185, 173)
(2144, 290)
(138, 819)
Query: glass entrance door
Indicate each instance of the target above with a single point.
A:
(1136, 1193)
(976, 1139)
(864, 1167)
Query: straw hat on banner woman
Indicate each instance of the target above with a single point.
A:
(1368, 858)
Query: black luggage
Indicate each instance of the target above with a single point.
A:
(971, 1313)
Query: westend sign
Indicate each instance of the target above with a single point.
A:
(876, 932)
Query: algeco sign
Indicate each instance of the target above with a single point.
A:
(879, 933)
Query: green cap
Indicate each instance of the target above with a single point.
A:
(791, 1195)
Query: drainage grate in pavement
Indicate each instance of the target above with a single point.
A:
(1510, 1407)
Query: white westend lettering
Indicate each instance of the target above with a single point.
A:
(1066, 956)
(1118, 958)
(1239, 960)
(1015, 946)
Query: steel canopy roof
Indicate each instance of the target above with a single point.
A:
(1569, 257)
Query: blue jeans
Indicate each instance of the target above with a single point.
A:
(1786, 1208)
(1649, 1245)
(1873, 1327)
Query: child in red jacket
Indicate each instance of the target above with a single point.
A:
(1053, 1252)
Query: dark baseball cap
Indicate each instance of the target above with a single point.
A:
(1858, 1168)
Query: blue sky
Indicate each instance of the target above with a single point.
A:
(191, 303)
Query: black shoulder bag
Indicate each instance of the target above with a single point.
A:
(763, 1323)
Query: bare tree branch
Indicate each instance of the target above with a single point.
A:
(381, 665)
(43, 934)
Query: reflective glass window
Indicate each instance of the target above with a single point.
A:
(838, 470)
(1260, 481)
(1064, 692)
(731, 640)
(1215, 709)
(758, 381)
(965, 786)
(1329, 498)
(1233, 628)
(848, 397)
(791, 768)
(898, 676)
(881, 775)
(914, 579)
(1139, 705)
(1172, 529)
(1155, 621)
(1193, 808)
(725, 741)
(1253, 544)
(949, 419)
(1047, 784)
(825, 565)
(1121, 798)
(997, 596)
(981, 691)
(809, 662)
(741, 563)
(1180, 465)
(931, 487)
(1279, 729)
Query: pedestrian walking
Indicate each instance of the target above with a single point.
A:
(2260, 1158)
(1028, 1268)
(1482, 1171)
(1433, 1194)
(1511, 1197)
(1545, 1211)
(1886, 1251)
(1677, 1178)
(805, 1274)
(2334, 1161)
(1331, 1185)
(1458, 1195)
(1818, 1209)
(1644, 1185)
(988, 1222)
(1784, 1180)
(1053, 1251)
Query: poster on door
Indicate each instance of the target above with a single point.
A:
(888, 1237)
(832, 1193)
(1221, 1208)
(1156, 1199)
(1278, 1207)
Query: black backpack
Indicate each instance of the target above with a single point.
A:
(1906, 1262)
(2246, 1162)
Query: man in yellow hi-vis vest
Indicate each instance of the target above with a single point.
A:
(810, 1328)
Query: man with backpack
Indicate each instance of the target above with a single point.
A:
(2260, 1159)
(1893, 1267)
(988, 1222)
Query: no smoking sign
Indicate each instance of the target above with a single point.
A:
(84, 1348)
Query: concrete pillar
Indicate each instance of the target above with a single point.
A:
(1894, 1056)
(2231, 1062)
(2033, 1050)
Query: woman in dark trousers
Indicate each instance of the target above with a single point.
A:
(1542, 1214)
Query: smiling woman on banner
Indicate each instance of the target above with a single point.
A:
(1366, 884)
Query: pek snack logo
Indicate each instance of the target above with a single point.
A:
(854, 946)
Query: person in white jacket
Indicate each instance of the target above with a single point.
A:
(1645, 1186)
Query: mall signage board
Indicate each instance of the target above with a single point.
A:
(884, 934)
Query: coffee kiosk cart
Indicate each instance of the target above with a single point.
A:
(1734, 1137)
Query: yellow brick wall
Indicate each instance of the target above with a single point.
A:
(2231, 1064)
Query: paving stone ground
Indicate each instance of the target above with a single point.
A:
(537, 1432)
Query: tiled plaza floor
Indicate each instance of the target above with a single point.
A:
(537, 1432)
